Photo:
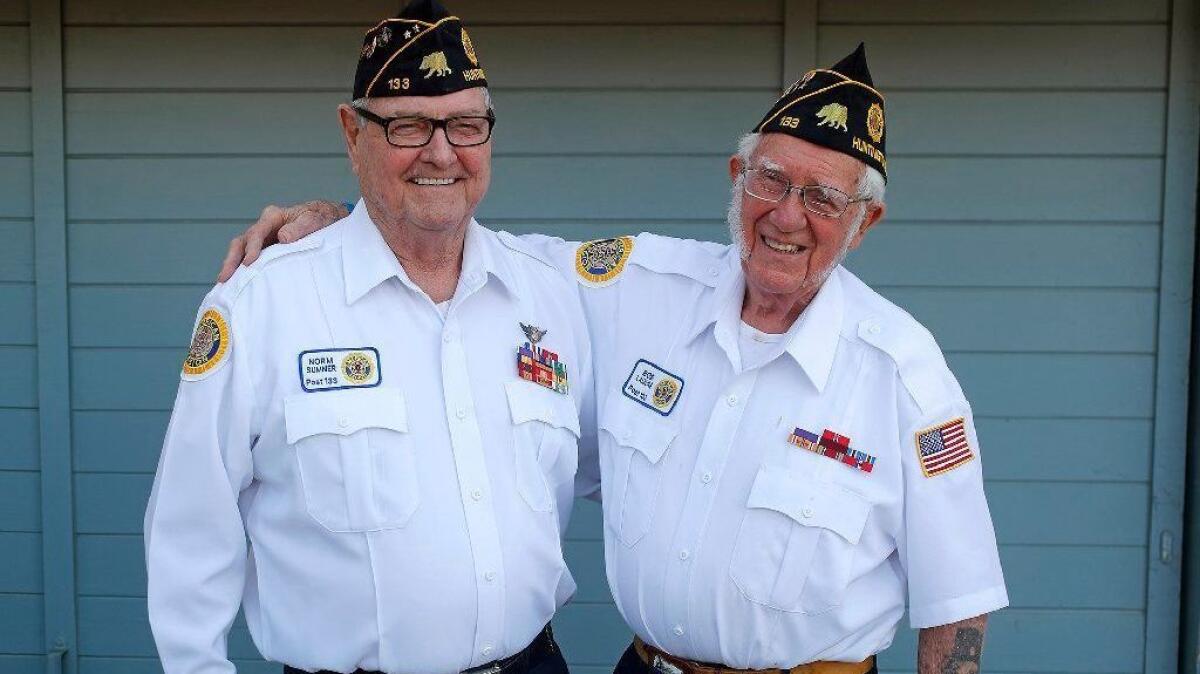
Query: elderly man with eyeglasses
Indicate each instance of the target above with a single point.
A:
(785, 459)
(374, 443)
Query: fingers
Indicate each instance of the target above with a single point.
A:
(304, 219)
(262, 233)
(233, 257)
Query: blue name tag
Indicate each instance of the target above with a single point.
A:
(653, 387)
(333, 369)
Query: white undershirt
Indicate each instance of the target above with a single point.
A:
(758, 348)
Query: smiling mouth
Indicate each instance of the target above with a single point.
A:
(781, 247)
(433, 181)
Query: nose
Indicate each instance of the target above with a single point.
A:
(789, 214)
(439, 151)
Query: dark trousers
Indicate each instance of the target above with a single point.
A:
(631, 663)
(544, 657)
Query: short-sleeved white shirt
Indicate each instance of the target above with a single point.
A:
(728, 539)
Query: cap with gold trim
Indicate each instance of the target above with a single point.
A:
(422, 52)
(837, 107)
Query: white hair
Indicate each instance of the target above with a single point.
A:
(361, 103)
(871, 188)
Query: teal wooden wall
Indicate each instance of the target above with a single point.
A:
(1028, 147)
(20, 511)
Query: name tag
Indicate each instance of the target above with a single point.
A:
(333, 369)
(653, 387)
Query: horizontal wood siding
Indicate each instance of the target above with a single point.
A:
(1009, 120)
(21, 641)
(1026, 144)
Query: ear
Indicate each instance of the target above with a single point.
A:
(352, 133)
(873, 215)
(735, 167)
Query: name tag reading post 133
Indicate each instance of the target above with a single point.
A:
(333, 369)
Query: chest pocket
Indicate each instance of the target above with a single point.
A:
(356, 459)
(631, 471)
(797, 542)
(545, 441)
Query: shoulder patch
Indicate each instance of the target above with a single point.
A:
(944, 447)
(599, 262)
(210, 346)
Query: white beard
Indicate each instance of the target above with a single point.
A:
(733, 217)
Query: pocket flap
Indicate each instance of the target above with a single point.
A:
(530, 402)
(633, 427)
(812, 504)
(344, 412)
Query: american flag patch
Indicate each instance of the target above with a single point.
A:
(944, 447)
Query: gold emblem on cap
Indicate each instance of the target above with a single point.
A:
(435, 64)
(469, 47)
(875, 122)
(834, 115)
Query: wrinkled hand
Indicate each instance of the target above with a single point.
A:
(279, 225)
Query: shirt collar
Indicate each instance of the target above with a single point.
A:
(812, 340)
(367, 260)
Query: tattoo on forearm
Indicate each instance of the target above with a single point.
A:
(968, 648)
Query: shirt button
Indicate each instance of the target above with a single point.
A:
(461, 413)
(807, 512)
(706, 478)
(678, 630)
(874, 329)
(447, 337)
(343, 422)
(684, 554)
(489, 576)
(477, 494)
(713, 271)
(487, 649)
(732, 400)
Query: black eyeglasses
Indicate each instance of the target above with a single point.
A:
(417, 131)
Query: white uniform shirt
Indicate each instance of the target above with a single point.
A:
(727, 539)
(408, 522)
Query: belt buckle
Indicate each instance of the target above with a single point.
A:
(663, 667)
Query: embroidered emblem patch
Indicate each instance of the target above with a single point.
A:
(538, 365)
(469, 47)
(435, 64)
(210, 345)
(834, 115)
(653, 387)
(875, 122)
(599, 262)
(944, 447)
(834, 446)
(334, 369)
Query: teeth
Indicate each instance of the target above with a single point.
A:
(781, 246)
(434, 181)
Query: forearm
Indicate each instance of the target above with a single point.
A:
(956, 648)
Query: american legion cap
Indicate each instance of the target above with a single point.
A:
(837, 107)
(425, 51)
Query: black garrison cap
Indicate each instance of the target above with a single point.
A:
(838, 108)
(422, 52)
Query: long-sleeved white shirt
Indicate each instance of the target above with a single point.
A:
(372, 480)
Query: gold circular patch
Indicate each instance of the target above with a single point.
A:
(875, 122)
(209, 345)
(664, 393)
(469, 47)
(602, 260)
(357, 367)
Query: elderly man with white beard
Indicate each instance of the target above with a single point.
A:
(785, 459)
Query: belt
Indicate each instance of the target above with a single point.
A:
(665, 663)
(543, 644)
